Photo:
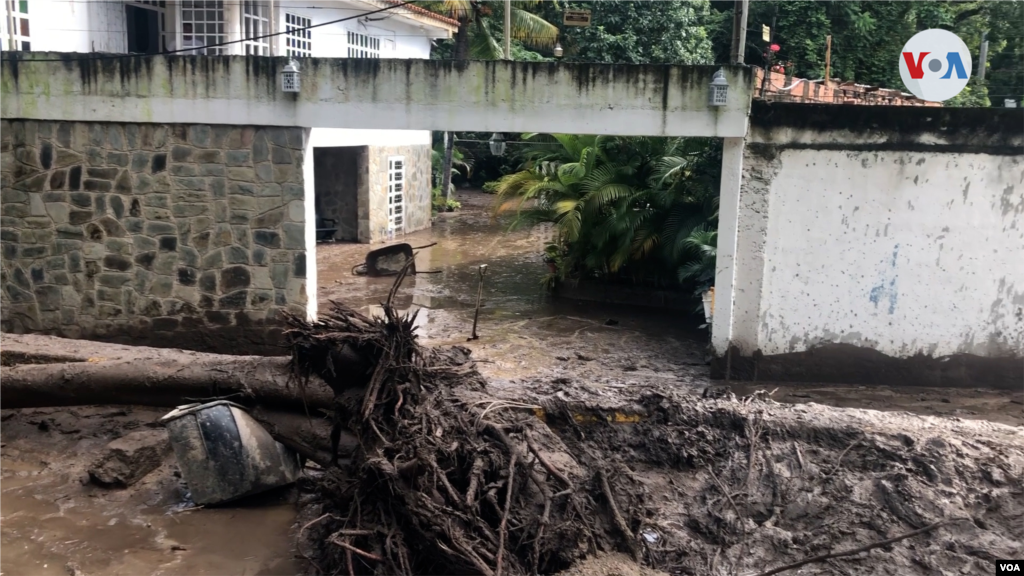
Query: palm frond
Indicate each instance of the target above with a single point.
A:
(532, 30)
(483, 46)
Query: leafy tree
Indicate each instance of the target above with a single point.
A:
(636, 32)
(867, 38)
(625, 209)
(480, 23)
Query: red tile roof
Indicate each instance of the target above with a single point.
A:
(424, 12)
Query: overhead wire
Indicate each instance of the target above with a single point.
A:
(218, 45)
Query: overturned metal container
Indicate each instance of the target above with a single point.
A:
(224, 454)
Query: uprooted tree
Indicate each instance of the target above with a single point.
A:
(444, 483)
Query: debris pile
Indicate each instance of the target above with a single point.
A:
(448, 478)
(439, 484)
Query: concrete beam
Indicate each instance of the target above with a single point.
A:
(377, 94)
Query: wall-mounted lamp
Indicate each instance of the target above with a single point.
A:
(719, 89)
(497, 144)
(290, 77)
(558, 50)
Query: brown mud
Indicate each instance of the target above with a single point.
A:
(566, 348)
(682, 484)
(56, 522)
(820, 478)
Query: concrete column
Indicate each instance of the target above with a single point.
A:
(728, 221)
(309, 206)
(233, 26)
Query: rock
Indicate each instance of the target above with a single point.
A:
(130, 458)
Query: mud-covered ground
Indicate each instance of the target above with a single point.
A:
(535, 349)
(55, 522)
(570, 349)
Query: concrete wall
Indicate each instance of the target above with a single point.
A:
(502, 96)
(402, 37)
(99, 26)
(76, 26)
(876, 245)
(183, 235)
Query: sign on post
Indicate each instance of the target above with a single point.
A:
(766, 33)
(576, 18)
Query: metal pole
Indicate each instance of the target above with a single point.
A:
(982, 57)
(771, 56)
(479, 297)
(828, 59)
(508, 29)
(739, 31)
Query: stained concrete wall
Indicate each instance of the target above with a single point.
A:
(161, 234)
(875, 245)
(651, 100)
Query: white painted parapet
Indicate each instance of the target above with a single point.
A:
(647, 100)
(875, 244)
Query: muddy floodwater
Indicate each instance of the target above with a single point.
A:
(524, 334)
(56, 522)
(578, 350)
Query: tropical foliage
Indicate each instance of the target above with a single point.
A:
(867, 38)
(480, 24)
(639, 210)
(637, 32)
(462, 165)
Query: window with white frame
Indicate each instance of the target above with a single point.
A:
(363, 46)
(202, 25)
(396, 194)
(255, 23)
(22, 33)
(298, 38)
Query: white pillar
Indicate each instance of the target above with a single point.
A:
(309, 206)
(728, 223)
(275, 41)
(233, 26)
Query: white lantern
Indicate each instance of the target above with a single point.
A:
(497, 144)
(558, 49)
(290, 77)
(719, 89)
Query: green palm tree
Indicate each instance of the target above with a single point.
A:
(631, 208)
(474, 38)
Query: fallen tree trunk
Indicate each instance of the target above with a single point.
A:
(46, 371)
(49, 371)
(163, 382)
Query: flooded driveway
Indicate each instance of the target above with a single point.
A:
(570, 348)
(54, 522)
(525, 334)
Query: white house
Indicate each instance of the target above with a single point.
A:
(370, 184)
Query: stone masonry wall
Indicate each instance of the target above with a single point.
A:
(171, 235)
(417, 188)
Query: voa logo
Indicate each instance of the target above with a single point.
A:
(1008, 567)
(935, 65)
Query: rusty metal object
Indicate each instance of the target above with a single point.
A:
(389, 260)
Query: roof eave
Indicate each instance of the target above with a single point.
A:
(421, 16)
